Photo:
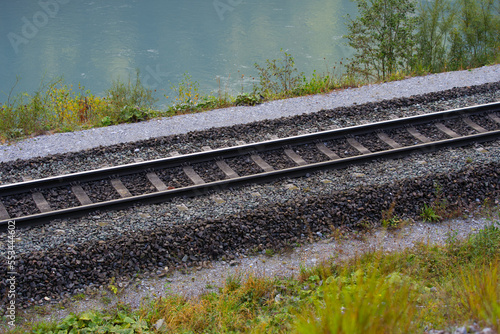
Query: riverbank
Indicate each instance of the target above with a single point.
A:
(236, 203)
(60, 143)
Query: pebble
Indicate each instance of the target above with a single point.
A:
(219, 200)
(159, 324)
(182, 207)
(138, 239)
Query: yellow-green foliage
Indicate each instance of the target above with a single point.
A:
(232, 309)
(427, 286)
(70, 109)
(362, 303)
(187, 91)
(57, 107)
(54, 107)
(479, 294)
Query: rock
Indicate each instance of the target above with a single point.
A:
(218, 200)
(210, 238)
(182, 207)
(159, 324)
(487, 330)
(460, 330)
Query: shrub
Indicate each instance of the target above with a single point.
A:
(435, 21)
(382, 37)
(279, 77)
(129, 94)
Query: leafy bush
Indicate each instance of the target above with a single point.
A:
(278, 77)
(121, 95)
(475, 40)
(246, 99)
(55, 106)
(186, 93)
(94, 322)
(435, 21)
(131, 114)
(382, 37)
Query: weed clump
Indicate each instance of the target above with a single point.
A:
(57, 107)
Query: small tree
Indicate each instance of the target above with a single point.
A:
(382, 36)
(475, 41)
(435, 23)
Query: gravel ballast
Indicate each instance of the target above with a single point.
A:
(82, 140)
(66, 257)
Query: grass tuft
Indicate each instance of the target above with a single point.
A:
(425, 287)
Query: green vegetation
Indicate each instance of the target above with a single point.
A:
(279, 77)
(56, 107)
(392, 39)
(189, 100)
(427, 286)
(119, 321)
(129, 95)
(448, 36)
(390, 220)
(382, 37)
(429, 214)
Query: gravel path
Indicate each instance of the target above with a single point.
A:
(283, 264)
(76, 141)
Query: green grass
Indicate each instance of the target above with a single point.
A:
(427, 286)
(447, 36)
(57, 107)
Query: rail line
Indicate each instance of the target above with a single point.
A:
(265, 161)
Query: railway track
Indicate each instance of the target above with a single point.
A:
(34, 202)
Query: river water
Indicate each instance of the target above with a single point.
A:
(217, 42)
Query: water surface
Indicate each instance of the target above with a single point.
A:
(96, 42)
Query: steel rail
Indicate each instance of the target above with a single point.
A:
(234, 151)
(191, 191)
